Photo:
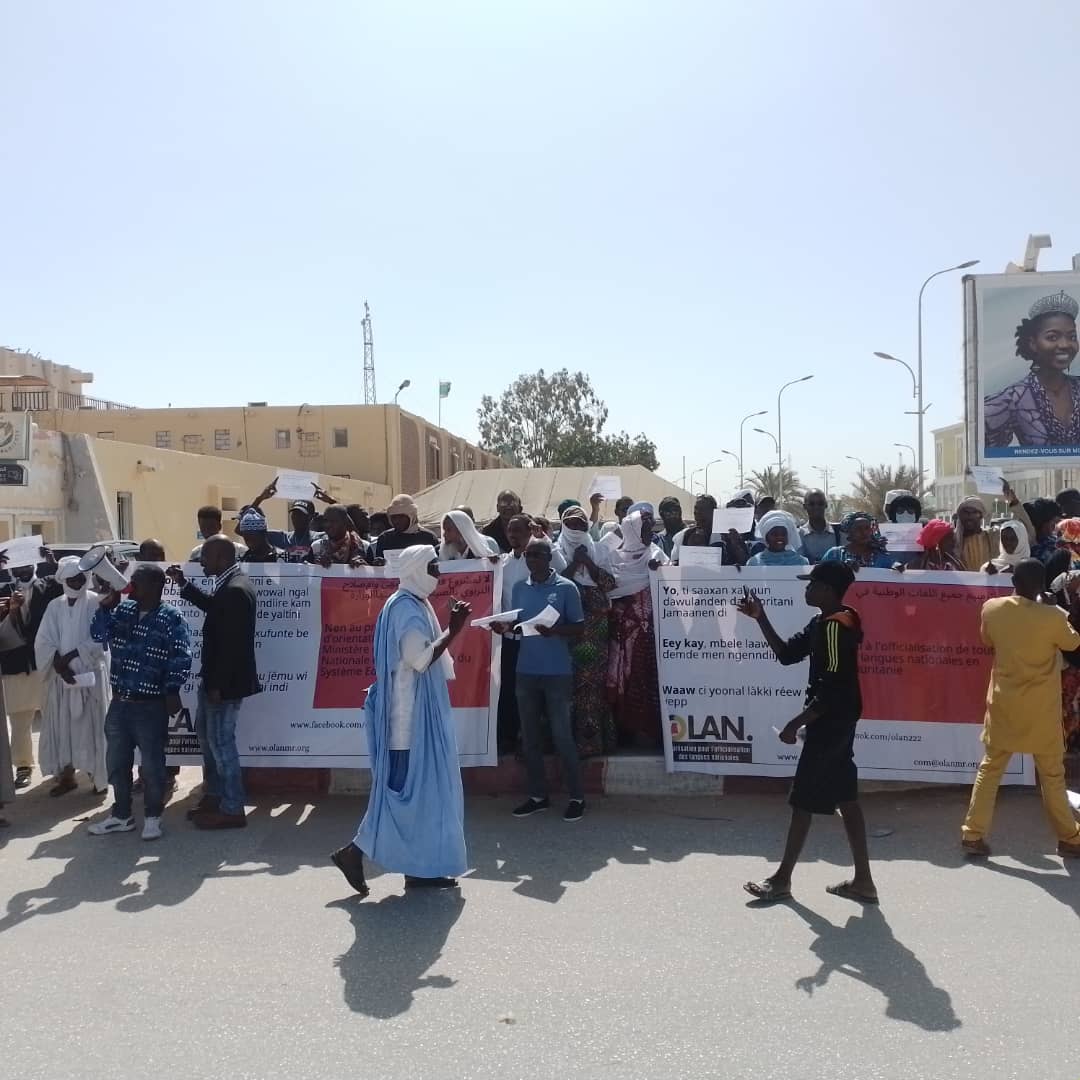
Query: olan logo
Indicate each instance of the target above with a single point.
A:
(716, 739)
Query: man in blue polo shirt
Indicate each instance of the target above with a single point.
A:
(545, 677)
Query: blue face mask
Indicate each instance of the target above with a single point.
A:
(905, 517)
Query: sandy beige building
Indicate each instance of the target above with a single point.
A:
(83, 489)
(381, 444)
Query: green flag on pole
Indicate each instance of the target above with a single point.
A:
(444, 390)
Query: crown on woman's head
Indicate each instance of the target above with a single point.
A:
(1058, 304)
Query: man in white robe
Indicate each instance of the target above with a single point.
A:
(77, 690)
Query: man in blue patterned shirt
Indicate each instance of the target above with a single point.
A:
(151, 659)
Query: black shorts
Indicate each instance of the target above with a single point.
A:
(826, 775)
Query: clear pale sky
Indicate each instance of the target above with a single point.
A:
(693, 202)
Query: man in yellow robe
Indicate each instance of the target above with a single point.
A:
(1023, 705)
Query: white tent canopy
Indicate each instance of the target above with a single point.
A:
(541, 490)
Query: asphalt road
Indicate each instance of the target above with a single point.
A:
(622, 946)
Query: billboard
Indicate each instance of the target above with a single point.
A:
(1022, 394)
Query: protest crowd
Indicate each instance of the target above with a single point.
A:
(104, 665)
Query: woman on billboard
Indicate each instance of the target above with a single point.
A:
(1043, 408)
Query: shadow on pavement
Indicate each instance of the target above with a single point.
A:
(865, 949)
(396, 940)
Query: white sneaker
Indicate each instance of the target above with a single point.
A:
(110, 825)
(151, 829)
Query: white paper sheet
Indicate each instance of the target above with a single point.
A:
(710, 557)
(83, 681)
(608, 486)
(1074, 799)
(548, 617)
(502, 617)
(22, 551)
(741, 519)
(988, 479)
(901, 536)
(292, 484)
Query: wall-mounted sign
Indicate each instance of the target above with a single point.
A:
(12, 475)
(15, 436)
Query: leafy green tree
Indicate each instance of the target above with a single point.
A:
(552, 420)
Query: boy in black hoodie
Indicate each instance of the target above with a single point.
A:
(826, 778)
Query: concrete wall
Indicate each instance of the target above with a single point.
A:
(26, 368)
(378, 443)
(39, 507)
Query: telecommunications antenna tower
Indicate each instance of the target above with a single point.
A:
(369, 358)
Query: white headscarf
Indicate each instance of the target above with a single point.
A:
(572, 539)
(475, 542)
(630, 561)
(779, 519)
(413, 578)
(66, 568)
(1023, 547)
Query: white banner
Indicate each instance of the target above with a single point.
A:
(923, 672)
(314, 652)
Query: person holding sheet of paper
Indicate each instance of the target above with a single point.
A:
(632, 680)
(903, 508)
(545, 676)
(978, 545)
(73, 716)
(297, 542)
(415, 819)
(701, 534)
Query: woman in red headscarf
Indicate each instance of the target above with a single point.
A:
(938, 541)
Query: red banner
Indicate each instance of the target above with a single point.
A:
(913, 634)
(350, 607)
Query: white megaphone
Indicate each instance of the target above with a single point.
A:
(96, 562)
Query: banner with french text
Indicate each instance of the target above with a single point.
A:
(923, 668)
(314, 647)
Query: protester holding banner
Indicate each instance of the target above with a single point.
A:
(415, 819)
(1044, 515)
(252, 529)
(632, 681)
(1015, 548)
(1023, 711)
(209, 520)
(296, 543)
(780, 535)
(341, 546)
(865, 546)
(979, 545)
(594, 729)
(700, 534)
(826, 778)
(937, 539)
(404, 531)
(818, 535)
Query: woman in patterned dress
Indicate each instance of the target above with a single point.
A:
(588, 566)
(1043, 408)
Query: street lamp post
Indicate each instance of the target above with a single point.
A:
(825, 472)
(693, 474)
(715, 461)
(404, 384)
(908, 446)
(762, 431)
(858, 460)
(920, 410)
(779, 428)
(750, 416)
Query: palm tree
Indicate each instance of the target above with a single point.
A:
(782, 485)
(875, 481)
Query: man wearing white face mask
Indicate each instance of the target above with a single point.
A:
(76, 695)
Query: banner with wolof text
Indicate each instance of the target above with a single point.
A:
(314, 648)
(924, 672)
